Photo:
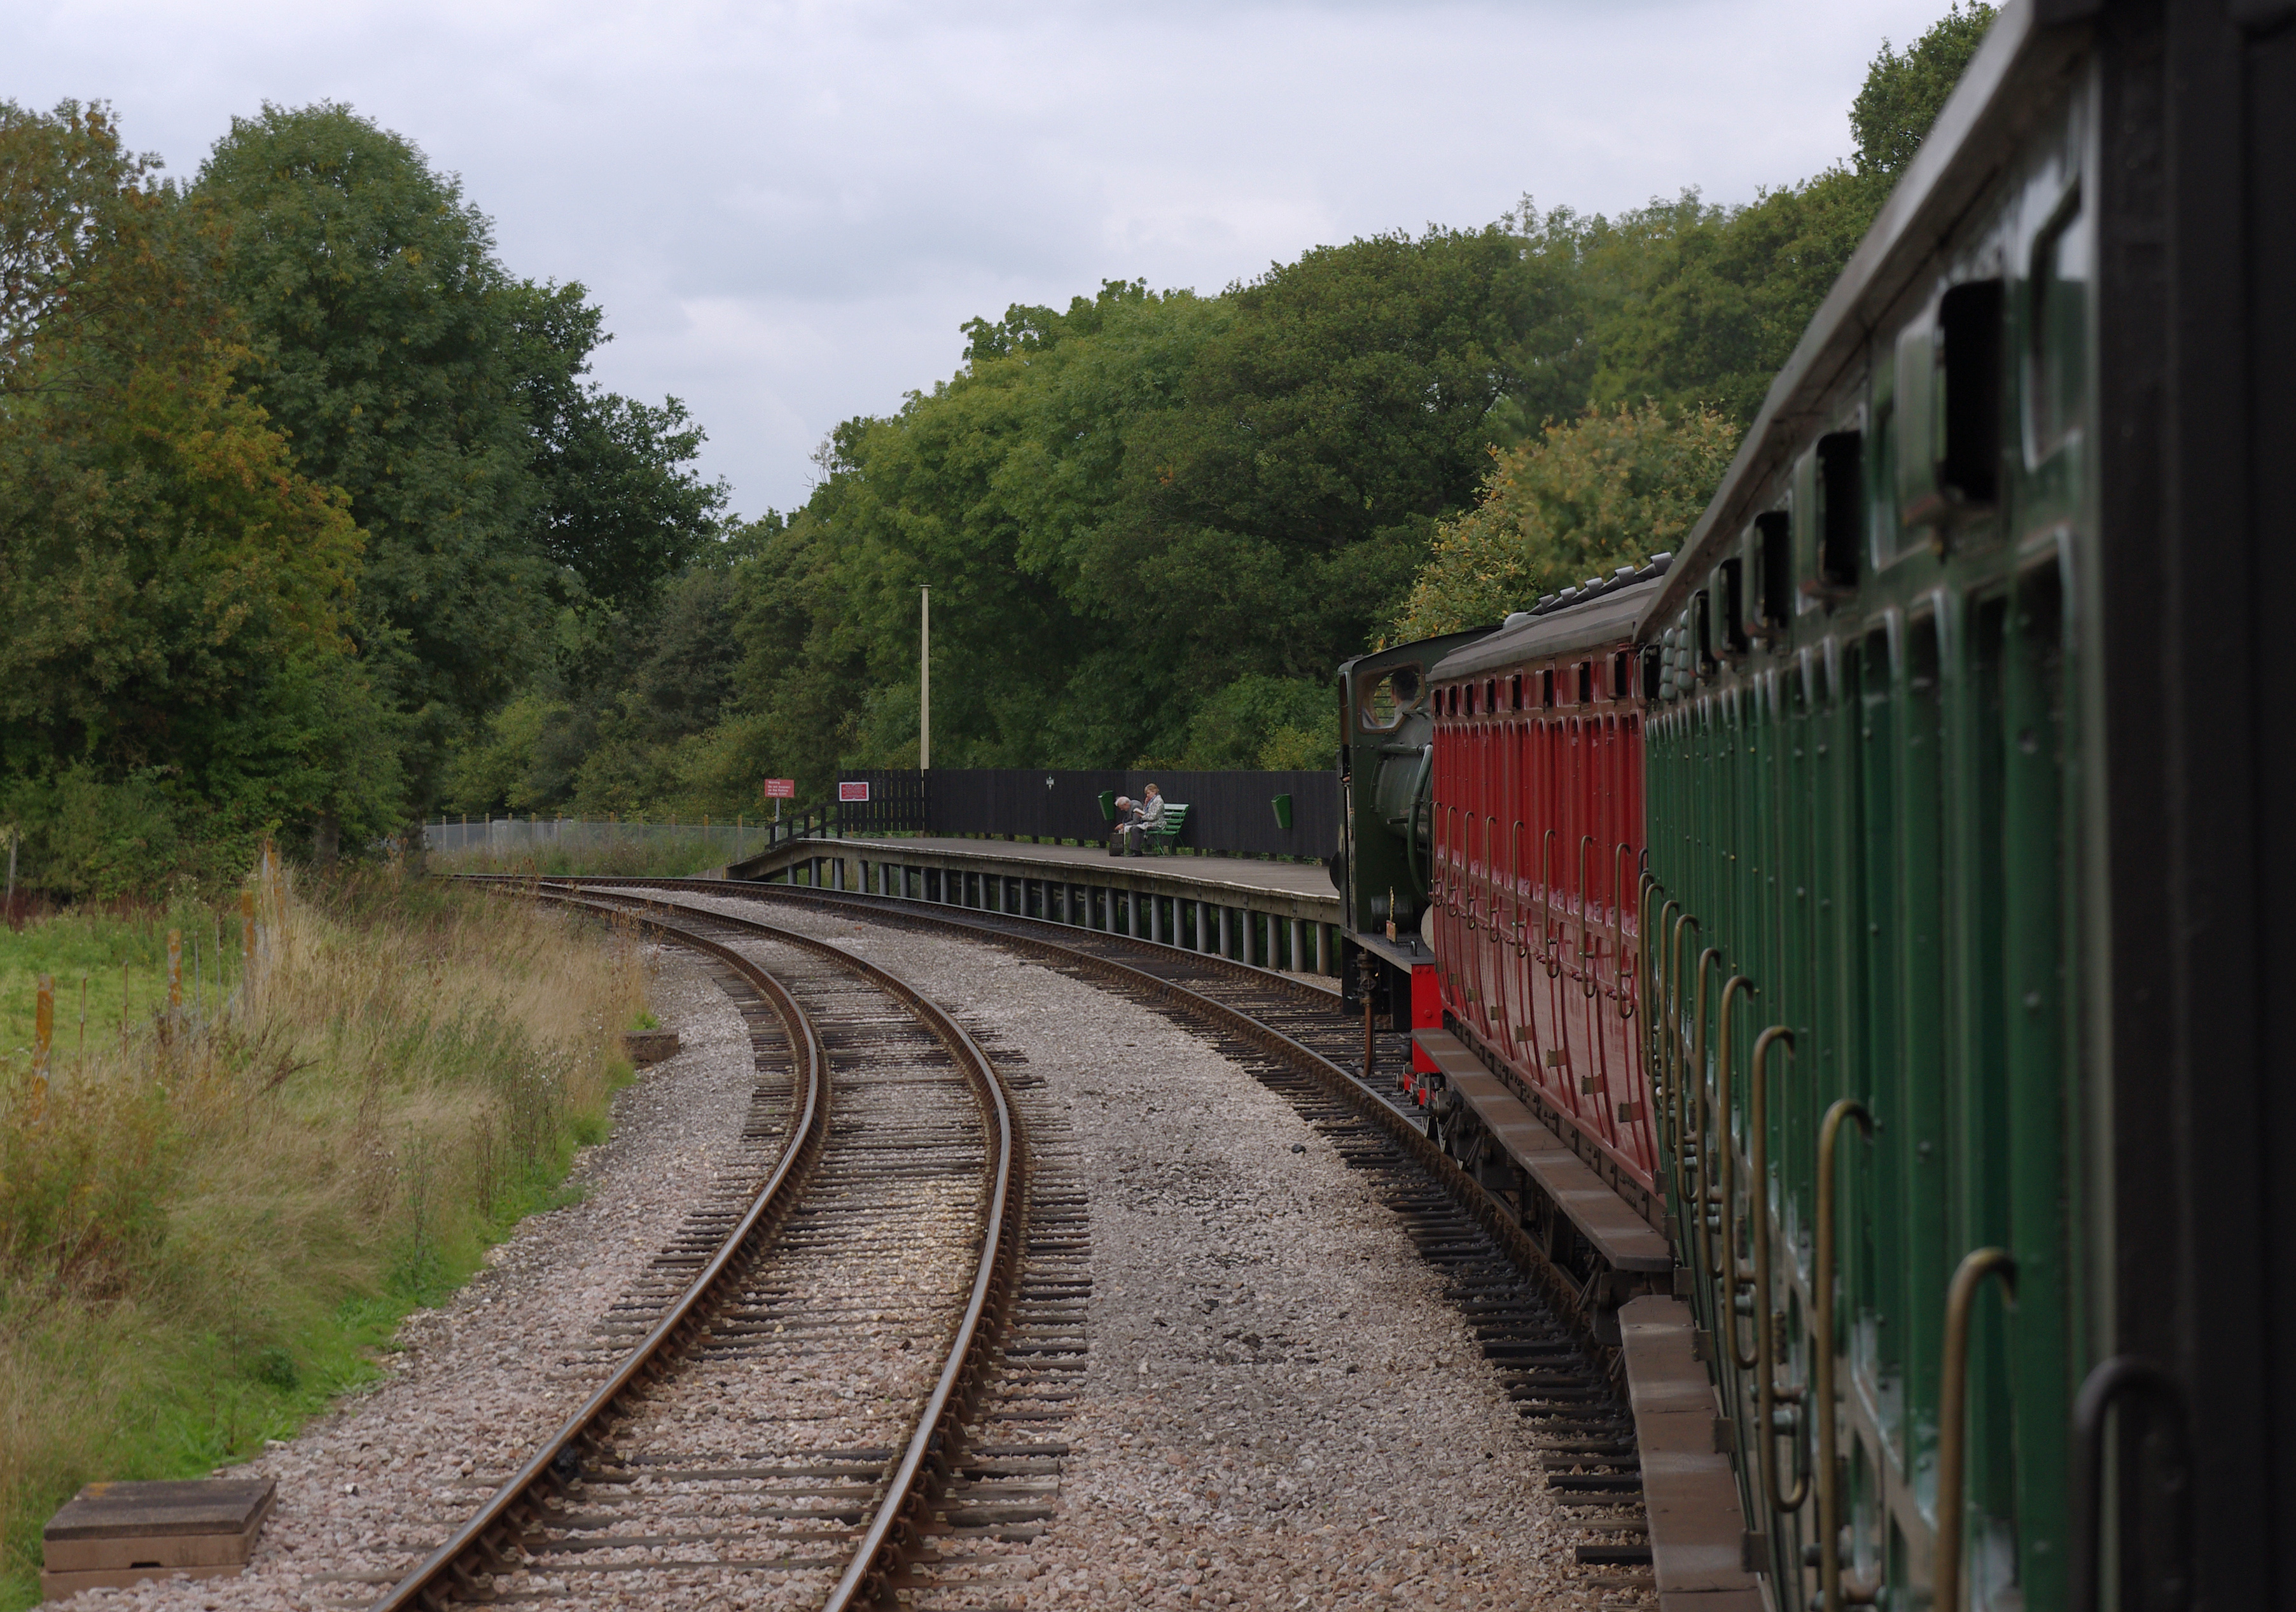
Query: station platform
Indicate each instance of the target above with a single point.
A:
(1277, 914)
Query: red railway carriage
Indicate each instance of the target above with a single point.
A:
(1536, 839)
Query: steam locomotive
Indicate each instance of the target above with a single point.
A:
(1860, 924)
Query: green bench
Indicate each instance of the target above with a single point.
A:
(1175, 821)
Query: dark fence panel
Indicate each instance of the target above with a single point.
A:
(896, 804)
(1232, 812)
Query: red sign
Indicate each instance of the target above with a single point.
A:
(781, 789)
(853, 791)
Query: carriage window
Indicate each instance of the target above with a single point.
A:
(1730, 596)
(1969, 409)
(1841, 493)
(1387, 701)
(1586, 682)
(1774, 565)
(1546, 685)
(1516, 693)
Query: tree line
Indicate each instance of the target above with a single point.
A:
(310, 522)
(298, 485)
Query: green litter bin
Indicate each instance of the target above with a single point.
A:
(1283, 804)
(1108, 806)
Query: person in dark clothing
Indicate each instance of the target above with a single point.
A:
(1124, 835)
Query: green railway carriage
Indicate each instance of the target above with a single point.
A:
(1897, 798)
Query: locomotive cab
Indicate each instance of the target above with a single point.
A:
(1387, 730)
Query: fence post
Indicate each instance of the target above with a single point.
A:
(44, 1032)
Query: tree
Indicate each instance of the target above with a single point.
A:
(1608, 489)
(1904, 91)
(616, 502)
(173, 674)
(447, 398)
(386, 339)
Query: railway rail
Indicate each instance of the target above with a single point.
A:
(891, 1213)
(1534, 1322)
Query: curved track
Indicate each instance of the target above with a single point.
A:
(1529, 1314)
(775, 1418)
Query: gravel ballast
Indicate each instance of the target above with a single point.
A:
(1280, 1411)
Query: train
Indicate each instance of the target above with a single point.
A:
(1877, 899)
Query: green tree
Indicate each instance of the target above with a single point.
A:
(174, 672)
(447, 398)
(1608, 489)
(1905, 91)
(387, 339)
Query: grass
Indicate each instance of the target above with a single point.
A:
(109, 969)
(210, 1225)
(664, 856)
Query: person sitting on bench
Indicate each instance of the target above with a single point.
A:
(1151, 819)
(1120, 837)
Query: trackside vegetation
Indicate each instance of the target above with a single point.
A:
(211, 1224)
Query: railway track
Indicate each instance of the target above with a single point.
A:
(805, 1355)
(1285, 1032)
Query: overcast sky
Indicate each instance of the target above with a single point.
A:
(787, 209)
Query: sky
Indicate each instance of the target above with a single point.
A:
(788, 208)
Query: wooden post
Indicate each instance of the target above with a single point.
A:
(44, 1029)
(175, 970)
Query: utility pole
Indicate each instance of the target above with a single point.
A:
(924, 680)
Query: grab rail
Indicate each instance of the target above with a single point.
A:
(2126, 1375)
(1733, 1275)
(1826, 1457)
(1766, 1343)
(1693, 1120)
(1953, 1431)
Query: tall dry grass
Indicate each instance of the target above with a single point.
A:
(207, 1227)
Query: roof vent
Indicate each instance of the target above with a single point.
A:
(1515, 618)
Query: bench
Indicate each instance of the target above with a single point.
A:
(1176, 820)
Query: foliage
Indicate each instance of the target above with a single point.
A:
(204, 1235)
(174, 591)
(1607, 489)
(314, 521)
(297, 483)
(1904, 91)
(1153, 522)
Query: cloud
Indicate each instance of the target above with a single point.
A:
(788, 208)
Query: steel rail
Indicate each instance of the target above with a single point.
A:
(488, 1541)
(1039, 935)
(931, 1454)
